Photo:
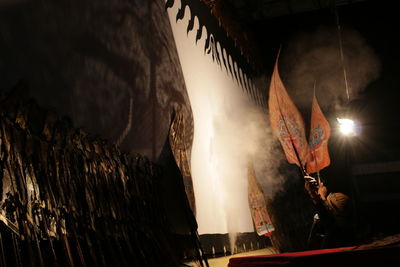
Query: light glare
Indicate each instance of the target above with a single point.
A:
(347, 126)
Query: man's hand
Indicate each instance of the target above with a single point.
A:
(311, 186)
(310, 179)
(322, 191)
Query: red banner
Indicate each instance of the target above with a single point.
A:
(286, 121)
(258, 205)
(318, 141)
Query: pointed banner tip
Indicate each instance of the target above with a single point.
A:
(318, 140)
(286, 122)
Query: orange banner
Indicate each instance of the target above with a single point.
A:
(286, 121)
(257, 204)
(318, 141)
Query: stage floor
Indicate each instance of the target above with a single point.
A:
(380, 252)
(349, 256)
(223, 261)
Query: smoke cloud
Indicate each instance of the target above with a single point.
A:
(242, 132)
(315, 57)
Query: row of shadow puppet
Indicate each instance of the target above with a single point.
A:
(69, 199)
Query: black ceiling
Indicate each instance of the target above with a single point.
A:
(254, 10)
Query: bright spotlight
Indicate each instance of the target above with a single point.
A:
(347, 127)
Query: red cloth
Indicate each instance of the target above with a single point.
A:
(318, 141)
(286, 121)
(257, 204)
(349, 256)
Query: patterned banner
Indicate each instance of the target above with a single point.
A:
(286, 121)
(319, 135)
(258, 207)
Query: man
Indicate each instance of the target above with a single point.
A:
(333, 214)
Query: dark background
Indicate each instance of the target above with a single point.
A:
(376, 107)
(111, 66)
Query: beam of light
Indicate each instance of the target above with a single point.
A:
(218, 164)
(347, 127)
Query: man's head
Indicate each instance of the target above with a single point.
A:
(339, 203)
